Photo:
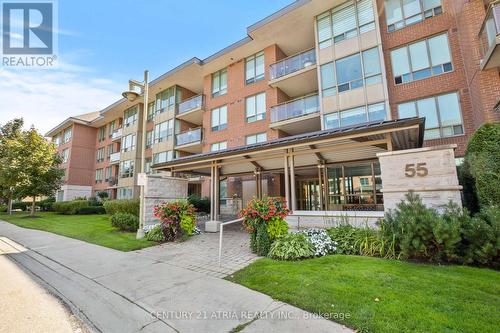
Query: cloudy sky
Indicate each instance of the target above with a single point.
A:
(101, 44)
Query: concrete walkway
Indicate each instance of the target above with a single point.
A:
(142, 291)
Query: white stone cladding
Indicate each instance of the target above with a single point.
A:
(70, 192)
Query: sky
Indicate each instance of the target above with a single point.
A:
(102, 44)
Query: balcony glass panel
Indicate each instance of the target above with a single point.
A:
(490, 29)
(114, 157)
(193, 103)
(296, 108)
(292, 64)
(117, 134)
(189, 137)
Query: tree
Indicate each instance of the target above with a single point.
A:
(42, 175)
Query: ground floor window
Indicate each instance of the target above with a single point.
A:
(125, 193)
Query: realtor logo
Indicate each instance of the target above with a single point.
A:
(28, 29)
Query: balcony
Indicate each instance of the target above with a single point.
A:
(112, 182)
(114, 158)
(191, 110)
(117, 134)
(189, 141)
(295, 75)
(489, 37)
(297, 116)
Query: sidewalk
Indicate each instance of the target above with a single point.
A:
(115, 291)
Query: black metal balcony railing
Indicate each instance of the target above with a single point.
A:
(296, 108)
(490, 29)
(292, 64)
(187, 137)
(193, 103)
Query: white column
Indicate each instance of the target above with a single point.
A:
(287, 180)
(292, 182)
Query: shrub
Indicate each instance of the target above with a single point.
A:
(46, 204)
(292, 246)
(177, 218)
(20, 205)
(345, 237)
(91, 210)
(155, 234)
(188, 224)
(130, 206)
(201, 204)
(125, 221)
(320, 240)
(94, 202)
(69, 207)
(262, 240)
(103, 195)
(276, 227)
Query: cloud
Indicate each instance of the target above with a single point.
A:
(46, 97)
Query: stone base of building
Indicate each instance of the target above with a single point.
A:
(70, 192)
(328, 219)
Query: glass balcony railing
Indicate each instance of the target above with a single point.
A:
(490, 29)
(117, 134)
(292, 64)
(296, 108)
(115, 157)
(188, 137)
(193, 103)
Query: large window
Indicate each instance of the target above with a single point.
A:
(108, 174)
(219, 118)
(359, 115)
(65, 155)
(98, 175)
(111, 128)
(149, 139)
(421, 60)
(162, 157)
(100, 155)
(256, 138)
(254, 68)
(351, 72)
(57, 140)
(101, 133)
(218, 146)
(125, 193)
(401, 13)
(442, 114)
(345, 21)
(110, 150)
(68, 133)
(128, 142)
(127, 169)
(255, 107)
(151, 111)
(219, 83)
(165, 100)
(130, 116)
(163, 131)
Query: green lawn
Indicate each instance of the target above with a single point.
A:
(94, 229)
(411, 297)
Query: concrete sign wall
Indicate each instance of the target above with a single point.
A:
(430, 172)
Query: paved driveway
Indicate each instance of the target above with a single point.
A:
(169, 288)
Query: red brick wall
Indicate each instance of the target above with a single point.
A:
(80, 169)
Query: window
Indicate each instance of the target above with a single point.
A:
(219, 83)
(165, 101)
(347, 73)
(100, 155)
(256, 107)
(101, 133)
(127, 169)
(219, 118)
(149, 139)
(218, 146)
(125, 193)
(163, 131)
(254, 68)
(57, 140)
(130, 116)
(421, 60)
(111, 128)
(401, 13)
(443, 117)
(359, 115)
(109, 173)
(147, 165)
(98, 176)
(345, 21)
(111, 150)
(162, 157)
(128, 142)
(256, 138)
(68, 133)
(65, 155)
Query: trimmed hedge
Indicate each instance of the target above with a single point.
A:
(201, 204)
(90, 210)
(69, 207)
(130, 206)
(125, 221)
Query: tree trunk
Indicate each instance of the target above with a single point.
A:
(9, 207)
(33, 206)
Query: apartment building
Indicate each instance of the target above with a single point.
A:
(361, 73)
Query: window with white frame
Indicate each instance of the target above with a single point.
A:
(162, 157)
(127, 169)
(354, 116)
(68, 133)
(111, 128)
(101, 133)
(149, 139)
(130, 116)
(256, 138)
(443, 117)
(254, 68)
(125, 193)
(108, 173)
(163, 131)
(57, 140)
(421, 60)
(218, 146)
(255, 107)
(110, 150)
(219, 118)
(401, 13)
(165, 100)
(351, 72)
(98, 176)
(219, 83)
(345, 21)
(128, 142)
(65, 155)
(100, 155)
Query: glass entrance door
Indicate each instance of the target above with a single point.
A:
(309, 194)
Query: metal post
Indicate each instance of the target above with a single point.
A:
(220, 243)
(212, 196)
(292, 183)
(287, 180)
(145, 88)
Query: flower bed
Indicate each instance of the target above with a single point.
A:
(178, 222)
